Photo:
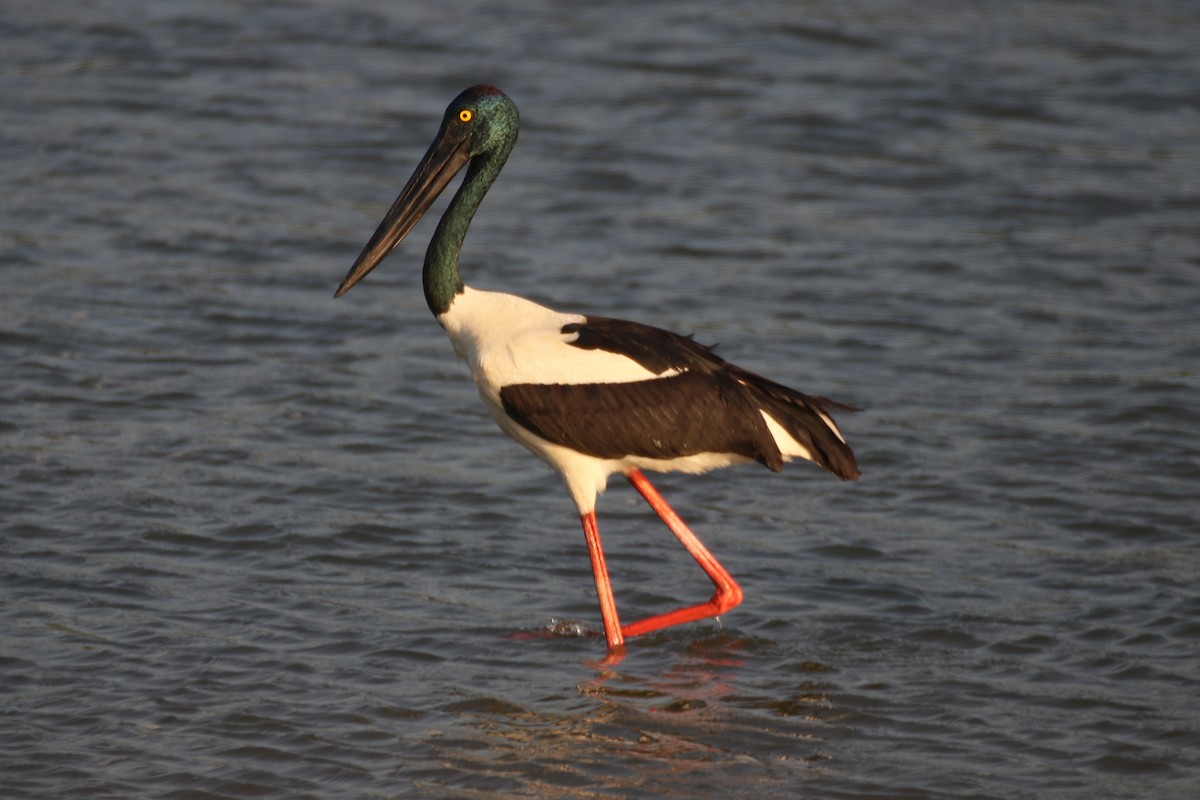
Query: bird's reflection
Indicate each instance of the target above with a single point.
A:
(666, 708)
(698, 678)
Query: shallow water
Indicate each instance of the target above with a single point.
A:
(258, 543)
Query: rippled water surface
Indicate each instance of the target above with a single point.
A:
(256, 543)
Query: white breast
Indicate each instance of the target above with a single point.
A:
(507, 340)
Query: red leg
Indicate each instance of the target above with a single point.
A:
(727, 595)
(604, 592)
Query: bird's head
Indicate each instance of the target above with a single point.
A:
(480, 124)
(483, 118)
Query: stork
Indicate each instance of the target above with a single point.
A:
(593, 396)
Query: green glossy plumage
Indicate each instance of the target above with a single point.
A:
(491, 132)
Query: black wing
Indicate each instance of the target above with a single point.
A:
(681, 415)
(655, 349)
(711, 406)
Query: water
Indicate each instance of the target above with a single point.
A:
(256, 543)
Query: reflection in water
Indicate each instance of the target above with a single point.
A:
(664, 723)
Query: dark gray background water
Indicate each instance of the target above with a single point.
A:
(256, 543)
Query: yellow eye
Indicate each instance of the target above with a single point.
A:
(465, 115)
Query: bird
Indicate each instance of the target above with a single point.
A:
(594, 396)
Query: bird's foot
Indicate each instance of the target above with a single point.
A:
(725, 598)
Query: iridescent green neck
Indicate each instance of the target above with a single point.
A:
(440, 276)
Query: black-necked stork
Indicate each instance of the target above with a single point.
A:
(592, 396)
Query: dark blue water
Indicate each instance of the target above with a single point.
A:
(256, 543)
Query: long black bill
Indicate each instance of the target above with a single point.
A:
(445, 157)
